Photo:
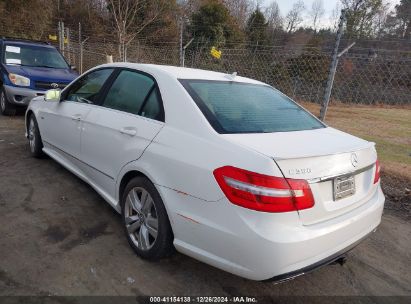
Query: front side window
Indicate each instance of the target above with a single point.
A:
(233, 107)
(34, 56)
(87, 88)
(134, 93)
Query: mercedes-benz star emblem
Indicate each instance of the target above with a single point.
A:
(354, 160)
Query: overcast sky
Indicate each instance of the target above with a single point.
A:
(329, 6)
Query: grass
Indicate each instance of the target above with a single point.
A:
(388, 127)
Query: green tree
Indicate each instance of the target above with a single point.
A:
(213, 23)
(360, 16)
(257, 29)
(403, 13)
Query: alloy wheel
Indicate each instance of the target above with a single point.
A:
(141, 218)
(32, 135)
(2, 102)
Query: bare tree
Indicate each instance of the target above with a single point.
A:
(128, 22)
(188, 7)
(239, 9)
(16, 18)
(316, 13)
(273, 15)
(335, 16)
(295, 16)
(380, 20)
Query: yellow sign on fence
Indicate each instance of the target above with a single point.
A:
(215, 53)
(54, 38)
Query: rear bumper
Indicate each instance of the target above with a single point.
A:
(21, 96)
(308, 247)
(262, 246)
(307, 269)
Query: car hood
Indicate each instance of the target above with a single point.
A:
(43, 74)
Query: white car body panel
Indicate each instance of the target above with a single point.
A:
(255, 252)
(179, 157)
(74, 167)
(128, 136)
(301, 144)
(63, 118)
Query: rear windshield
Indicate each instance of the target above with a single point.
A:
(233, 107)
(34, 56)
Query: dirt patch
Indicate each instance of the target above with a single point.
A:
(7, 280)
(56, 234)
(397, 190)
(85, 235)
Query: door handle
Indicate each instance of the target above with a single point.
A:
(128, 131)
(76, 117)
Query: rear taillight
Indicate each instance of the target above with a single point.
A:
(377, 172)
(263, 192)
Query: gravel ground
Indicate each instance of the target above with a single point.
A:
(58, 237)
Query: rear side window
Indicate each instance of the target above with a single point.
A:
(135, 93)
(233, 107)
(152, 107)
(87, 88)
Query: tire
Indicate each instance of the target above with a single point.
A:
(35, 142)
(6, 108)
(146, 226)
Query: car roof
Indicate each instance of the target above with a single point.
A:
(25, 42)
(184, 73)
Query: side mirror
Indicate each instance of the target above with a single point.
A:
(53, 95)
(73, 67)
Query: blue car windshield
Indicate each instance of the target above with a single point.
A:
(34, 56)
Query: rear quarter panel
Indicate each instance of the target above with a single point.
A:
(182, 161)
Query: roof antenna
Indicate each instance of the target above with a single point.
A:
(231, 76)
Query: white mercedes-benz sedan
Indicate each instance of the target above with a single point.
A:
(225, 169)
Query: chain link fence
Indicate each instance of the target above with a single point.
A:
(302, 73)
(365, 75)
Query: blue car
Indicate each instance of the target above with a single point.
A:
(27, 70)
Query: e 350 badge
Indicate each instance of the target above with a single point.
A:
(299, 171)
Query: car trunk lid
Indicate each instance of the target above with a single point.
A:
(320, 156)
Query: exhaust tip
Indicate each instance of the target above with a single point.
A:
(341, 261)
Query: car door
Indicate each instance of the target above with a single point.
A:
(62, 121)
(119, 130)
